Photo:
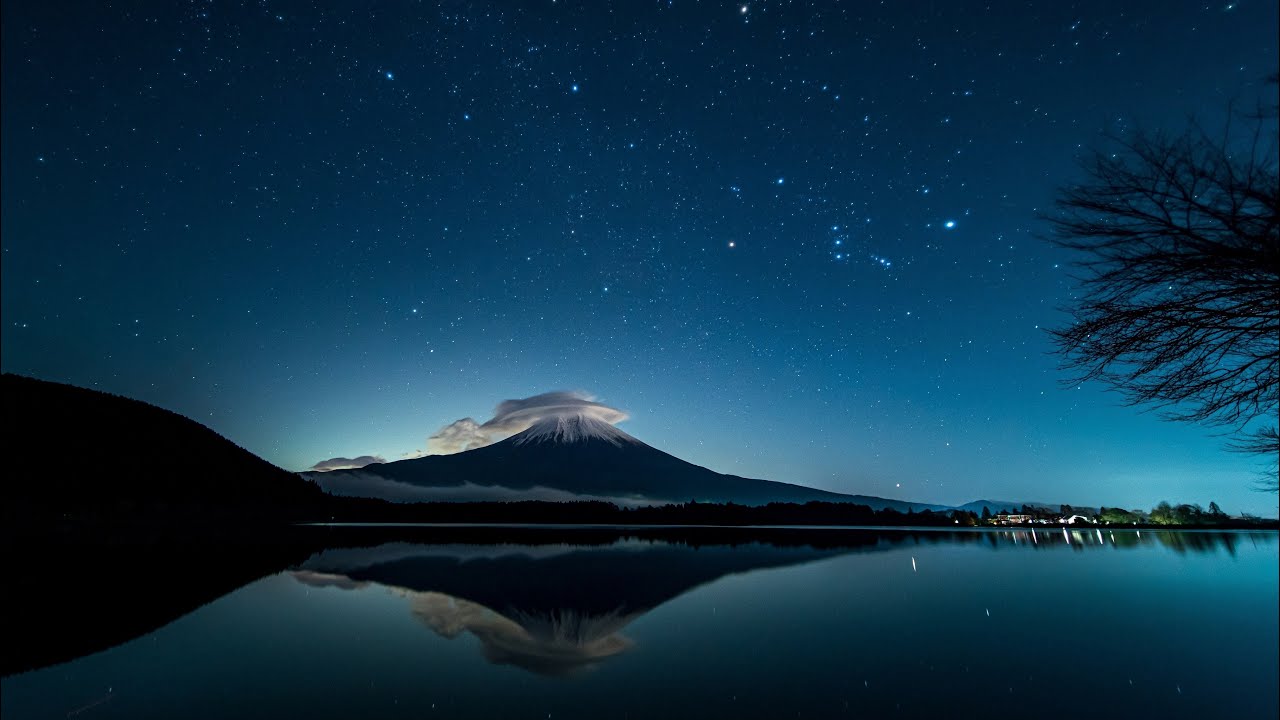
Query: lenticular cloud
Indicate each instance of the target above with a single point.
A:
(513, 416)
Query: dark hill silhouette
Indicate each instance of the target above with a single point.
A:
(83, 455)
(590, 458)
(995, 506)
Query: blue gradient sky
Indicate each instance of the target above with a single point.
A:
(794, 242)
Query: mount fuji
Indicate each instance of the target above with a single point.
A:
(573, 456)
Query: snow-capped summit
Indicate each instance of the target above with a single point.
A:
(574, 455)
(573, 429)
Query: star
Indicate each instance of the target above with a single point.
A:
(381, 195)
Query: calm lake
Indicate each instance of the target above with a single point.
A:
(854, 623)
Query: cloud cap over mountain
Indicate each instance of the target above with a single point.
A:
(513, 416)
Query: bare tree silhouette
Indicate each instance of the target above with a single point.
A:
(1179, 245)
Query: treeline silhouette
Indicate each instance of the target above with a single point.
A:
(604, 513)
(533, 512)
(1185, 515)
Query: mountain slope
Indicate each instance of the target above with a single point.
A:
(74, 450)
(589, 457)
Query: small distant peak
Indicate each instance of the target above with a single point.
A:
(573, 429)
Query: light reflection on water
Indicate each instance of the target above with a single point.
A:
(1182, 541)
(879, 623)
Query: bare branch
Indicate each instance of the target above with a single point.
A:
(1178, 240)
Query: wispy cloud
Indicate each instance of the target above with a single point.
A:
(464, 434)
(342, 463)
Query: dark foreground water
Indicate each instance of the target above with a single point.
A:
(877, 624)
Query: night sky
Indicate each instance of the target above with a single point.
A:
(794, 242)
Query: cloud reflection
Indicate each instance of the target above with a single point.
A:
(559, 645)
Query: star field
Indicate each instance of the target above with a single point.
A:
(792, 241)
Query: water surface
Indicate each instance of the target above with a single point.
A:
(879, 623)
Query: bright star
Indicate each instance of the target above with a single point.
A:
(390, 75)
(949, 224)
(573, 88)
(779, 181)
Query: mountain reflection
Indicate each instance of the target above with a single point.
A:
(556, 609)
(550, 600)
(553, 646)
(551, 611)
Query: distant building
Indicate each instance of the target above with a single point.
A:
(1075, 519)
(1010, 519)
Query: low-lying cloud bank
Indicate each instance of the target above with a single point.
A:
(513, 416)
(360, 484)
(342, 463)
